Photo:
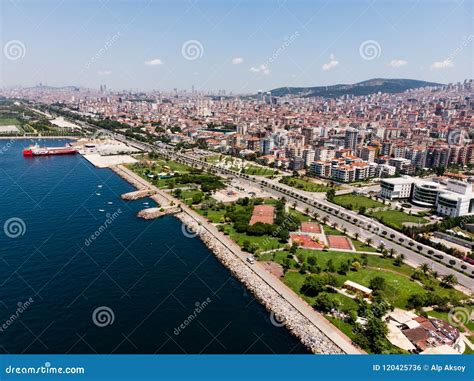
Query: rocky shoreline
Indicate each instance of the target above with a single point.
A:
(282, 313)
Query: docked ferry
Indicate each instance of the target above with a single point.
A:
(46, 151)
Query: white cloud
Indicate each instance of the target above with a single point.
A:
(442, 64)
(154, 62)
(104, 72)
(260, 69)
(397, 63)
(331, 64)
(237, 60)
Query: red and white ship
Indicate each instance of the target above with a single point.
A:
(46, 151)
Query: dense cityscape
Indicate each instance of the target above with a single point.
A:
(282, 178)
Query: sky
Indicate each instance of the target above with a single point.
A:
(238, 46)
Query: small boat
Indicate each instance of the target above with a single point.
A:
(98, 194)
(99, 186)
(101, 210)
(110, 203)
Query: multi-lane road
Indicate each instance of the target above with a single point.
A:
(415, 253)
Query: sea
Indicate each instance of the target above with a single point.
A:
(80, 273)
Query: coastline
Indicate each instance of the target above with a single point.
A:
(302, 321)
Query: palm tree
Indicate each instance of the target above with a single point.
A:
(392, 252)
(369, 241)
(449, 280)
(356, 235)
(424, 268)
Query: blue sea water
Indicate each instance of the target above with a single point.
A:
(138, 287)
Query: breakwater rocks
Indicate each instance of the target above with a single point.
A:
(135, 195)
(152, 213)
(282, 312)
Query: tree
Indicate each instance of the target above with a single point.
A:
(324, 303)
(330, 194)
(313, 285)
(416, 301)
(362, 210)
(449, 281)
(424, 268)
(369, 241)
(330, 266)
(392, 252)
(399, 260)
(377, 283)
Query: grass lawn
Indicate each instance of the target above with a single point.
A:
(354, 202)
(187, 195)
(331, 231)
(170, 166)
(264, 242)
(277, 257)
(9, 121)
(258, 171)
(395, 218)
(399, 285)
(215, 216)
(360, 246)
(305, 184)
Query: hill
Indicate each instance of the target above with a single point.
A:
(370, 86)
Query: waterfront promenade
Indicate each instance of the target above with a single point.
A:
(311, 327)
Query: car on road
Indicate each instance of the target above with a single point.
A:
(251, 259)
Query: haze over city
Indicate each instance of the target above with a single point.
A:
(213, 45)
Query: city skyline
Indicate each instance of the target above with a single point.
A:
(236, 46)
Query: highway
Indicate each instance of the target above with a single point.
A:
(415, 253)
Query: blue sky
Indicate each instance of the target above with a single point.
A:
(240, 46)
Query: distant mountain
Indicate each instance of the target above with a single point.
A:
(370, 86)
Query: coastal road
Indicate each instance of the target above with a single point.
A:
(353, 222)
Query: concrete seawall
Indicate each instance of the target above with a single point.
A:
(286, 308)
